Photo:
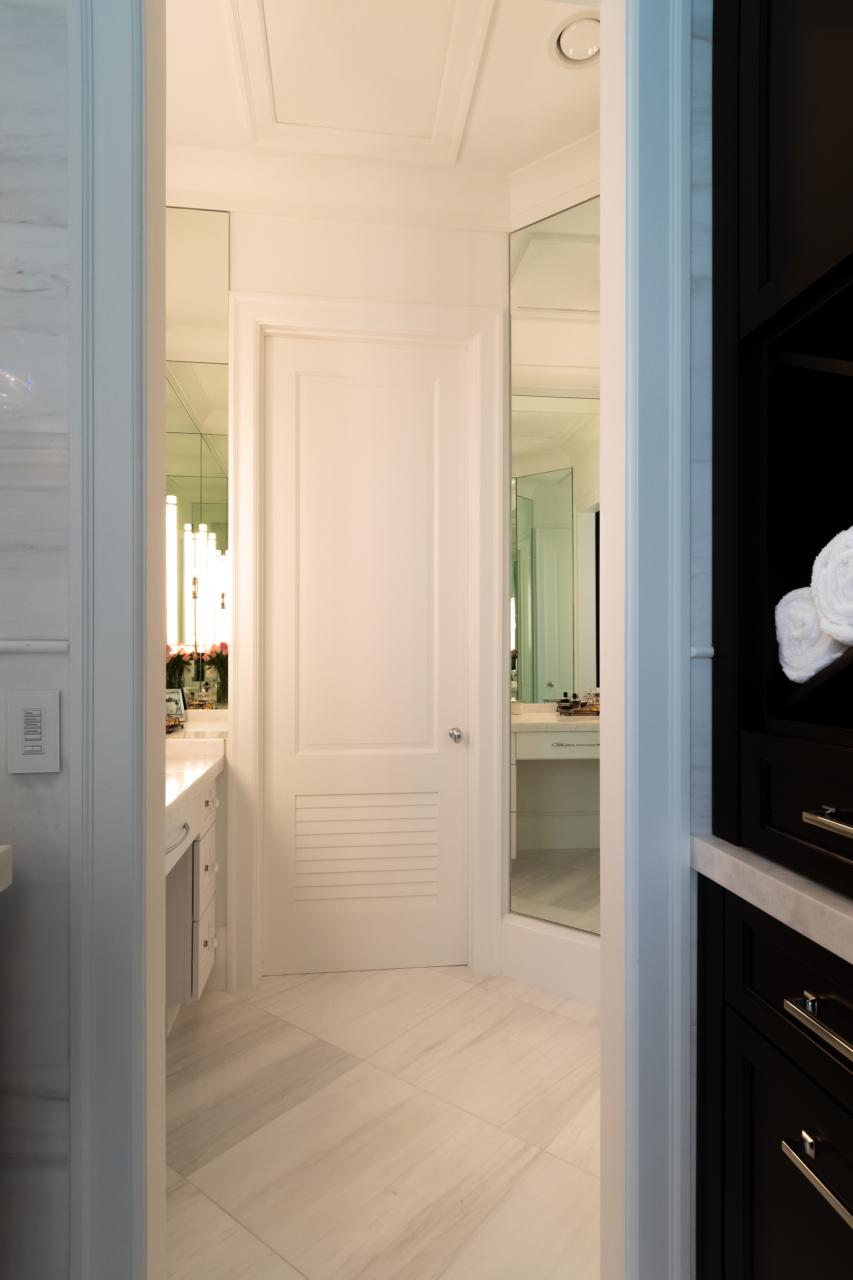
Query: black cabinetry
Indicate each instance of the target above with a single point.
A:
(775, 1182)
(783, 414)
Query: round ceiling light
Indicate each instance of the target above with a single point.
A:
(580, 41)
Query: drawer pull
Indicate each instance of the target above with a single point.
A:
(820, 1187)
(828, 820)
(185, 830)
(804, 1009)
(568, 744)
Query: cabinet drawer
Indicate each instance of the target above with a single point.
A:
(554, 746)
(204, 871)
(783, 778)
(204, 949)
(768, 965)
(789, 1207)
(208, 805)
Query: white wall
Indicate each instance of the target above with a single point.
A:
(354, 259)
(34, 809)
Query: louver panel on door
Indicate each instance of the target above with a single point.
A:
(366, 846)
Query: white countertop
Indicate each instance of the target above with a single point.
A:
(189, 763)
(820, 914)
(5, 866)
(538, 719)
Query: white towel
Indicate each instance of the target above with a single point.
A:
(832, 587)
(804, 648)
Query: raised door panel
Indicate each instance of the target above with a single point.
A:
(796, 139)
(779, 1225)
(366, 572)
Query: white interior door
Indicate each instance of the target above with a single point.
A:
(365, 847)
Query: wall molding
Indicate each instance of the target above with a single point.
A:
(34, 646)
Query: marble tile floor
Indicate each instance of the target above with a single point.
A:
(561, 886)
(417, 1124)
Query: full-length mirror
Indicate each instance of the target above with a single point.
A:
(553, 607)
(198, 580)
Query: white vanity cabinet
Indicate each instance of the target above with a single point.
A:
(193, 779)
(555, 807)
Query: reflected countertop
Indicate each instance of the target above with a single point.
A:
(190, 762)
(538, 718)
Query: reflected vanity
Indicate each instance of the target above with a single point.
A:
(554, 522)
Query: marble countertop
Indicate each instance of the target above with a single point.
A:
(189, 763)
(820, 914)
(541, 720)
(5, 866)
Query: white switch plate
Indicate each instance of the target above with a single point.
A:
(32, 731)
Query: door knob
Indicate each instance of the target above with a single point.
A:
(455, 735)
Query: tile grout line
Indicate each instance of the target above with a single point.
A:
(210, 1200)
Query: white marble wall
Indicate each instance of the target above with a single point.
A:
(700, 414)
(34, 810)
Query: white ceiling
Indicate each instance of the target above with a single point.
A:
(469, 83)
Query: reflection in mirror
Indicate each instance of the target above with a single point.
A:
(198, 588)
(198, 622)
(543, 571)
(554, 521)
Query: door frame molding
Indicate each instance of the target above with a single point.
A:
(481, 329)
(117, 162)
(647, 958)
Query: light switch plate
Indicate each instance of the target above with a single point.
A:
(32, 731)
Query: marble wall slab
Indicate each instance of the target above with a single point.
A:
(34, 809)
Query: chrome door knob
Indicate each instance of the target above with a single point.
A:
(455, 735)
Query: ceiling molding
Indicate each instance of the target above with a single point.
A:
(557, 181)
(457, 77)
(558, 315)
(336, 188)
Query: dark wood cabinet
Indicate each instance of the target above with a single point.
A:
(783, 414)
(775, 1177)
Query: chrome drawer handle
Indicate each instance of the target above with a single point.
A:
(185, 830)
(820, 1187)
(804, 1009)
(563, 744)
(828, 821)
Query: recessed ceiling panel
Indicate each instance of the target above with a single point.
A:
(383, 78)
(374, 67)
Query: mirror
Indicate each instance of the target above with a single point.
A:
(554, 530)
(543, 578)
(198, 588)
(197, 480)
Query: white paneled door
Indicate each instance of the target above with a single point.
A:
(366, 445)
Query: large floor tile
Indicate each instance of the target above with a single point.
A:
(369, 1178)
(509, 1062)
(360, 1012)
(580, 1141)
(542, 999)
(546, 1228)
(204, 1243)
(231, 1068)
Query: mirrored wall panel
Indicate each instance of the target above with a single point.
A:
(554, 548)
(198, 578)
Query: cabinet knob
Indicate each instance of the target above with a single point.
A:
(212, 804)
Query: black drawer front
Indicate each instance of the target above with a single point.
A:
(779, 1225)
(768, 964)
(781, 779)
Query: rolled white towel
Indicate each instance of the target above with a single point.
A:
(832, 587)
(804, 648)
